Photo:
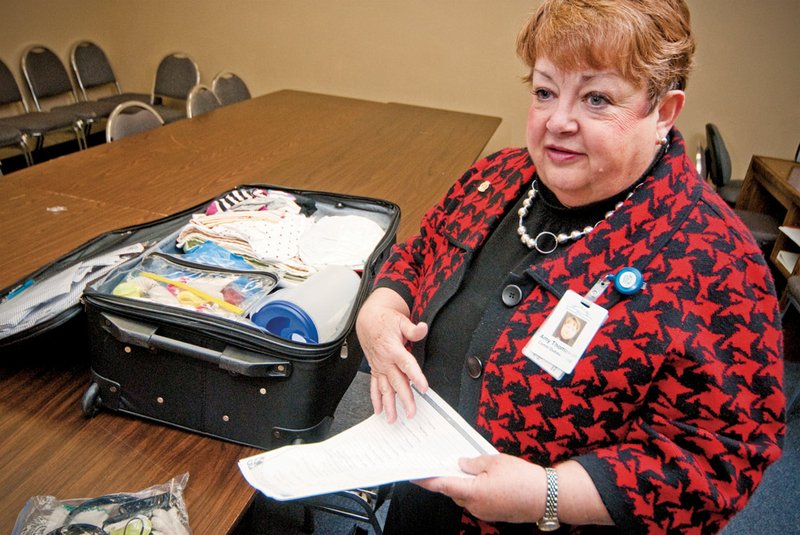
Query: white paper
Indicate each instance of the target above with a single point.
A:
(792, 232)
(371, 453)
(788, 260)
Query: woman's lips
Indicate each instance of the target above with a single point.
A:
(561, 154)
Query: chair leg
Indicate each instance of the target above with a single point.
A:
(80, 134)
(26, 150)
(38, 143)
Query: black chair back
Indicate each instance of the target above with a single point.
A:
(201, 100)
(9, 90)
(229, 88)
(718, 161)
(91, 66)
(45, 74)
(175, 76)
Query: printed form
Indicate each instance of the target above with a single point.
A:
(371, 453)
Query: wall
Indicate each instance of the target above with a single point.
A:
(453, 54)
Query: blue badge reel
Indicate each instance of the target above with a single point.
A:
(628, 281)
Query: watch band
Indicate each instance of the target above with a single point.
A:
(549, 522)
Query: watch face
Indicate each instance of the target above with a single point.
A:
(547, 524)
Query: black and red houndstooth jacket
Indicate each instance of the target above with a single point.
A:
(676, 407)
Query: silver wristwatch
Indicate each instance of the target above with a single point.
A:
(549, 522)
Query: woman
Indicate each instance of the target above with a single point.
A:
(670, 415)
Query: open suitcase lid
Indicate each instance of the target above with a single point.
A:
(51, 296)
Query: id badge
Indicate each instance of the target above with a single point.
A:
(561, 340)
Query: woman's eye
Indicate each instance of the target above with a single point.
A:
(542, 94)
(596, 100)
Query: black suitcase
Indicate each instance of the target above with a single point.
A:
(223, 377)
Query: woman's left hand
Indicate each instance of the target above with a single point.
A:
(505, 488)
(510, 489)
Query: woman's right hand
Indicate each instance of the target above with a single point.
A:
(384, 327)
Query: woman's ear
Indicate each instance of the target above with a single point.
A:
(668, 109)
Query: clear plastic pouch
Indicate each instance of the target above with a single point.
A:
(162, 280)
(156, 510)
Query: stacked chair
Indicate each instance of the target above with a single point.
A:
(57, 105)
(93, 73)
(49, 82)
(34, 124)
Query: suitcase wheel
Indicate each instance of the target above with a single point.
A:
(90, 402)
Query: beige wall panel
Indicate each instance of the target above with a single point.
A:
(453, 54)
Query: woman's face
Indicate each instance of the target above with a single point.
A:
(569, 328)
(590, 133)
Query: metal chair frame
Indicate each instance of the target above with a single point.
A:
(124, 109)
(201, 99)
(364, 502)
(103, 74)
(18, 139)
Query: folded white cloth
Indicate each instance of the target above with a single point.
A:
(262, 235)
(346, 240)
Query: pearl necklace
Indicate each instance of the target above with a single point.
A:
(545, 236)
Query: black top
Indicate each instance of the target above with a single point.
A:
(471, 318)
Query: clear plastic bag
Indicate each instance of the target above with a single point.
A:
(157, 510)
(223, 293)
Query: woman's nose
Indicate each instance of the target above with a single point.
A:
(562, 119)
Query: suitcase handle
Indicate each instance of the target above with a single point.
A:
(231, 359)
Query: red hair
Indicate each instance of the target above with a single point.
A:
(649, 42)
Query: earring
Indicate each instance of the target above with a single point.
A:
(662, 141)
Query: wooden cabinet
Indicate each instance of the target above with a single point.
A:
(772, 186)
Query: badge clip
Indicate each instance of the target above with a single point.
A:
(628, 281)
(561, 340)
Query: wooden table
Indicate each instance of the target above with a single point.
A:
(406, 154)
